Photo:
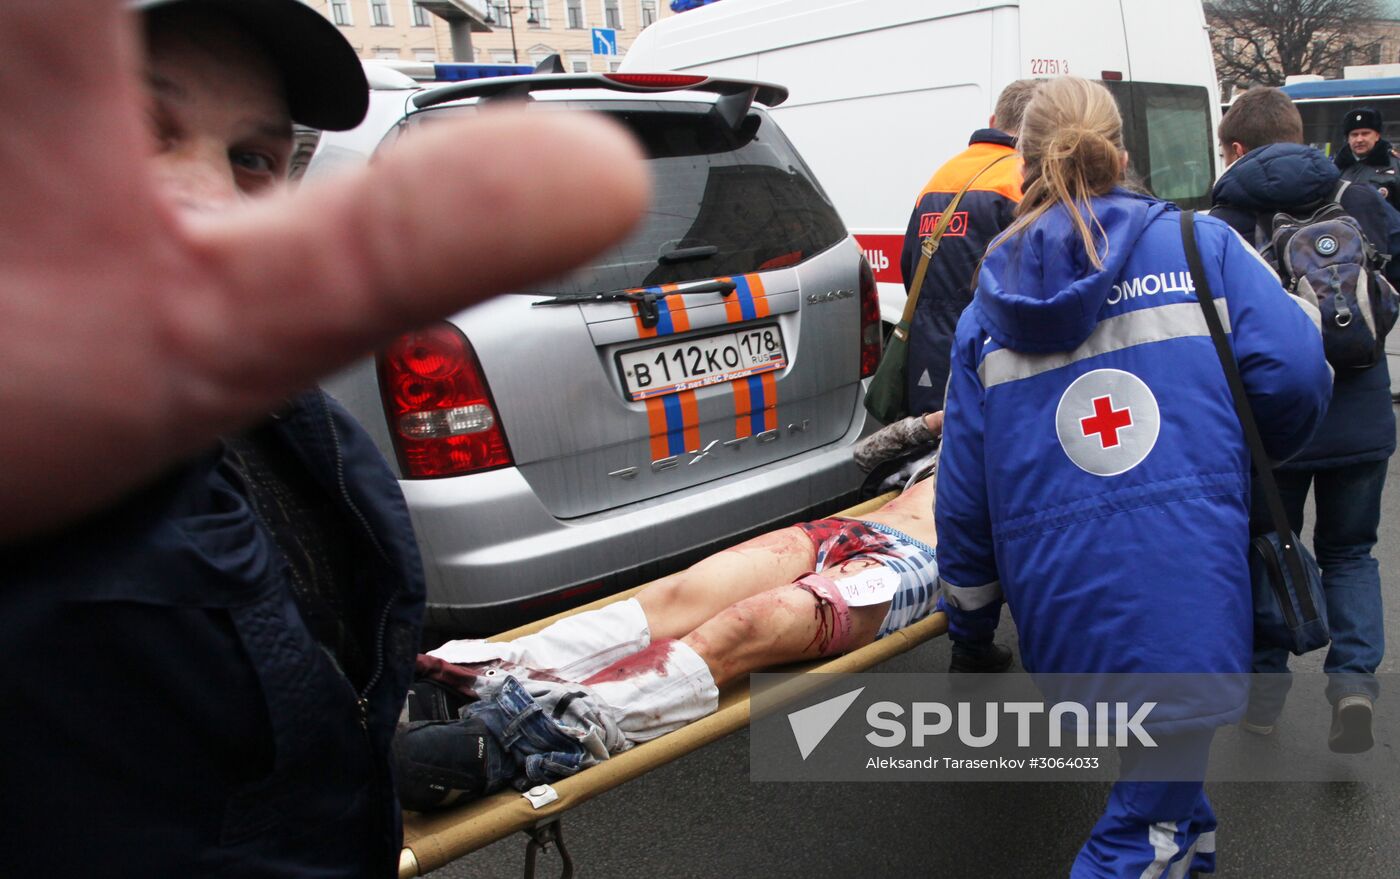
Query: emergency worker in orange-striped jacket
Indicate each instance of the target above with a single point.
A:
(985, 210)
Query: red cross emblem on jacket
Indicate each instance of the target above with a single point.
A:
(1106, 422)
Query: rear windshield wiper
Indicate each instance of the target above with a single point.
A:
(645, 299)
(686, 254)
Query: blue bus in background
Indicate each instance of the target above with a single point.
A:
(1324, 103)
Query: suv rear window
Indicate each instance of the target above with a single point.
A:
(724, 201)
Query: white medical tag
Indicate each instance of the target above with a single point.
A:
(871, 586)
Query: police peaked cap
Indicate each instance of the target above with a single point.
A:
(321, 73)
(1363, 117)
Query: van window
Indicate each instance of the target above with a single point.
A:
(1166, 129)
(724, 202)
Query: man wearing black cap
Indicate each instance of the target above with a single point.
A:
(1367, 157)
(204, 678)
(133, 334)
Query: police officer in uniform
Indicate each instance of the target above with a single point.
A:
(1368, 157)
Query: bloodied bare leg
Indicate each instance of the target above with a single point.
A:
(677, 604)
(779, 626)
(578, 646)
(675, 682)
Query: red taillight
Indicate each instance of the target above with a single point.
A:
(656, 80)
(871, 336)
(439, 407)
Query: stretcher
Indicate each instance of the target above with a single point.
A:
(432, 840)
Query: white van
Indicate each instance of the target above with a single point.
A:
(884, 91)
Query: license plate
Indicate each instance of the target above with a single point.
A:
(695, 363)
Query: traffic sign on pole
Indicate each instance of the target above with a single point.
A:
(604, 41)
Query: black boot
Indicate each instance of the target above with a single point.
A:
(989, 658)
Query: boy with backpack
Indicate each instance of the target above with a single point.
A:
(1334, 243)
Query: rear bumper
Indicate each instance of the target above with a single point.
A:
(490, 546)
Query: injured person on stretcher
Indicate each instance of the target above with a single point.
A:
(483, 715)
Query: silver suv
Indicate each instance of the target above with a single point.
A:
(697, 383)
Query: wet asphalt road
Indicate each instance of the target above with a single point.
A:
(702, 817)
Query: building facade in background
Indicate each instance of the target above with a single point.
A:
(404, 30)
(1259, 42)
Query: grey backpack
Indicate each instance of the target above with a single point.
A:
(1324, 258)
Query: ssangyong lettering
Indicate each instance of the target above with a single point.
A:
(712, 448)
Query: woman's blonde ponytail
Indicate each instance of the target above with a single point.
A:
(1071, 139)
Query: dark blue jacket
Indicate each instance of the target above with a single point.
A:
(1360, 424)
(167, 713)
(1093, 469)
(985, 210)
(1377, 170)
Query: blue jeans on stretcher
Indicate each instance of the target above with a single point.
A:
(542, 752)
(1348, 501)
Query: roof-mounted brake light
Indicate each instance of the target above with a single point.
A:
(516, 87)
(656, 80)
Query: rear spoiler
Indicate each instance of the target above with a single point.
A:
(736, 95)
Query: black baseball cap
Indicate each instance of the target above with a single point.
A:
(325, 83)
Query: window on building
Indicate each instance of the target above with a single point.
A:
(379, 13)
(1373, 54)
(578, 63)
(385, 53)
(575, 14)
(502, 58)
(537, 12)
(420, 16)
(648, 12)
(613, 66)
(427, 56)
(500, 15)
(612, 16)
(340, 13)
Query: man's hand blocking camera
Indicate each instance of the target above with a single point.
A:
(135, 330)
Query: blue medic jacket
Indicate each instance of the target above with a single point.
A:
(1289, 177)
(167, 711)
(1093, 469)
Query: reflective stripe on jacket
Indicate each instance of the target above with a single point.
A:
(1093, 470)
